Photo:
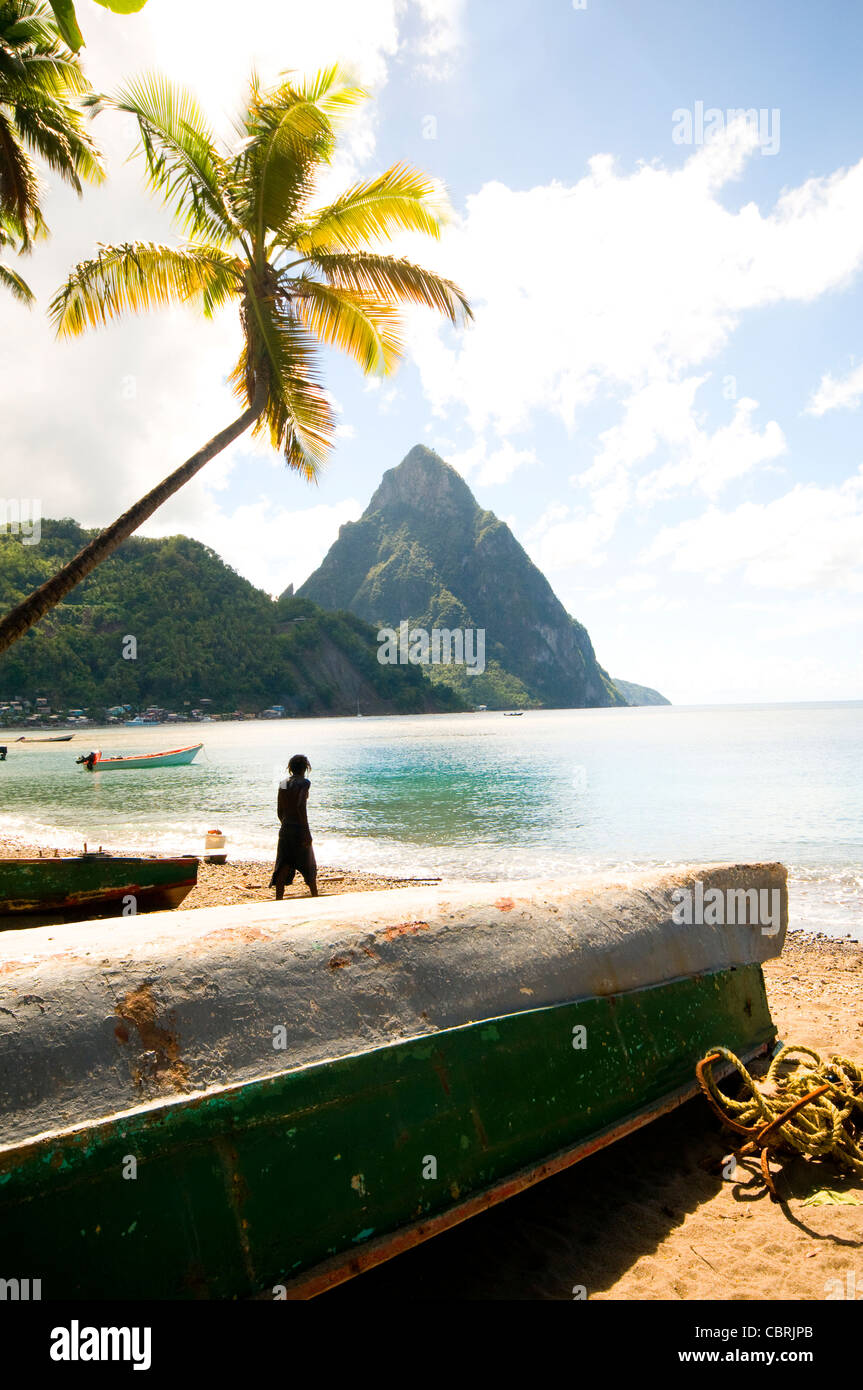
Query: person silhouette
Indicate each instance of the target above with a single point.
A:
(294, 851)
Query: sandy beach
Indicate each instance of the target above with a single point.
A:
(241, 880)
(651, 1217)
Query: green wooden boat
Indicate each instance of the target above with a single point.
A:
(93, 884)
(264, 1101)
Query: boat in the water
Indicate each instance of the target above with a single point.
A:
(176, 757)
(93, 884)
(316, 1086)
(54, 738)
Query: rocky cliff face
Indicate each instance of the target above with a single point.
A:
(424, 551)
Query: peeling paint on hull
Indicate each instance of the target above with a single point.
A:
(85, 884)
(303, 1178)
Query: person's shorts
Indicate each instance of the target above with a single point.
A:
(292, 856)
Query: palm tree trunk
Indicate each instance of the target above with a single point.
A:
(49, 594)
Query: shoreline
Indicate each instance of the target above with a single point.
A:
(239, 880)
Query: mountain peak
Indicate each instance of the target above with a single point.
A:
(424, 482)
(426, 552)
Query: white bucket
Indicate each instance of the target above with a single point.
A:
(214, 847)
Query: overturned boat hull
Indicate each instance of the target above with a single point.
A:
(354, 1145)
(89, 885)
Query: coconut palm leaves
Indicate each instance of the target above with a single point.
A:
(12, 232)
(300, 274)
(41, 87)
(67, 21)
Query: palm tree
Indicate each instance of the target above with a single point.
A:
(299, 273)
(41, 86)
(67, 22)
(12, 232)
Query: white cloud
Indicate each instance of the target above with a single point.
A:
(661, 416)
(638, 277)
(442, 37)
(206, 45)
(570, 538)
(812, 537)
(636, 582)
(844, 393)
(271, 546)
(661, 412)
(497, 465)
(708, 462)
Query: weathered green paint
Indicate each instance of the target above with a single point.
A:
(93, 881)
(242, 1189)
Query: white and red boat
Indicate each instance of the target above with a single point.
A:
(176, 757)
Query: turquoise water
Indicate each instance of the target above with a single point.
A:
(481, 795)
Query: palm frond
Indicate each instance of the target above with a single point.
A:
(67, 23)
(122, 6)
(141, 275)
(42, 87)
(32, 26)
(393, 278)
(287, 134)
(51, 73)
(400, 200)
(297, 416)
(58, 136)
(19, 186)
(182, 160)
(334, 92)
(365, 329)
(14, 232)
(12, 281)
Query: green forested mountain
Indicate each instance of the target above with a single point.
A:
(639, 694)
(424, 551)
(202, 632)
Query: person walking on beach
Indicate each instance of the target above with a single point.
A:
(294, 850)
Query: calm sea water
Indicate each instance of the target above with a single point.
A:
(482, 795)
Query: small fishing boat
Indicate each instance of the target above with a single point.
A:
(315, 1087)
(93, 883)
(513, 713)
(139, 723)
(54, 738)
(176, 757)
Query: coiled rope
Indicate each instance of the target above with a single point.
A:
(816, 1109)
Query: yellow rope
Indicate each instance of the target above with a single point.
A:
(824, 1098)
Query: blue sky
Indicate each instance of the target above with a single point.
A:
(661, 390)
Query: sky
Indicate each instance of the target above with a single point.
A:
(661, 390)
